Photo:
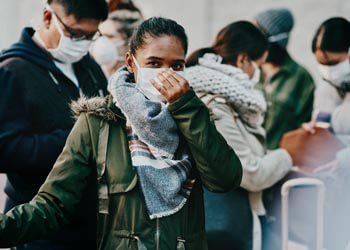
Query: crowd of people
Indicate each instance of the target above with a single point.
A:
(112, 137)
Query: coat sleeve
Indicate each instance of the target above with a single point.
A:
(340, 119)
(259, 172)
(57, 199)
(22, 151)
(219, 168)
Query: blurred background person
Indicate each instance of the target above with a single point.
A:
(288, 87)
(225, 76)
(330, 46)
(109, 50)
(120, 4)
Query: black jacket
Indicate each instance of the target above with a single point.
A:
(35, 120)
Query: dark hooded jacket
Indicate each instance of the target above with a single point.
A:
(35, 120)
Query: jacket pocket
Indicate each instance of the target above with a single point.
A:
(114, 171)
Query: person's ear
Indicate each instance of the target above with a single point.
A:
(240, 60)
(129, 62)
(47, 18)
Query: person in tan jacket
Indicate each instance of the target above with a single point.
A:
(224, 77)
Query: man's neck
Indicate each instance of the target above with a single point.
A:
(38, 39)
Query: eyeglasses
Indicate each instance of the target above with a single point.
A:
(79, 36)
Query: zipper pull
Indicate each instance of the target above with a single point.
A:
(100, 91)
(54, 79)
(140, 245)
(180, 244)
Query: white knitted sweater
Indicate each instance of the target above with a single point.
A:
(220, 79)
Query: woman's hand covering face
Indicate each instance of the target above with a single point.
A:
(173, 85)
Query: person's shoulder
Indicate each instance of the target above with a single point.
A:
(96, 109)
(212, 100)
(9, 70)
(15, 64)
(300, 70)
(218, 105)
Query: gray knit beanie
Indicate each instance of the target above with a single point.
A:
(276, 23)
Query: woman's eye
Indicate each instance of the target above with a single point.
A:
(178, 67)
(154, 64)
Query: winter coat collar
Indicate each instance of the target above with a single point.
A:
(102, 107)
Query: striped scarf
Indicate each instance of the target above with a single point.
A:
(165, 183)
(160, 159)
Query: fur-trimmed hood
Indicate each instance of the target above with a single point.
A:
(99, 106)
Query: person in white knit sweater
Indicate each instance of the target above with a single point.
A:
(224, 76)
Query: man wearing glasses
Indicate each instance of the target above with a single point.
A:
(39, 77)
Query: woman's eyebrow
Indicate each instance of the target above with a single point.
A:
(162, 59)
(155, 58)
(180, 60)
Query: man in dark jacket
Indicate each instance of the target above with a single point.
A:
(39, 77)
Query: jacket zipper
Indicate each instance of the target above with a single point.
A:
(157, 234)
(54, 79)
(100, 91)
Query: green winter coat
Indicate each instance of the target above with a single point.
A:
(98, 147)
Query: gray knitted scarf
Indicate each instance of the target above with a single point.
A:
(162, 166)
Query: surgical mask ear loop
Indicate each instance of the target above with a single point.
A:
(136, 63)
(137, 66)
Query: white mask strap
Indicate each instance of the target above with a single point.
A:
(136, 62)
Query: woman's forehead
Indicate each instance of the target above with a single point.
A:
(162, 47)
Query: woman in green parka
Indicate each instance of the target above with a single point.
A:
(148, 149)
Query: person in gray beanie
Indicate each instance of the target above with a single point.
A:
(276, 24)
(288, 87)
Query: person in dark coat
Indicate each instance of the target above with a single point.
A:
(40, 76)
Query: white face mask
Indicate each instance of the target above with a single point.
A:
(144, 76)
(105, 52)
(257, 73)
(336, 74)
(68, 50)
